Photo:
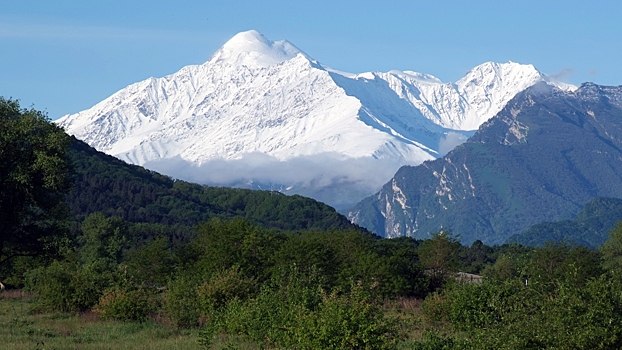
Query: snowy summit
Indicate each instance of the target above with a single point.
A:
(253, 49)
(264, 114)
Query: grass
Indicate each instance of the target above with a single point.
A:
(21, 328)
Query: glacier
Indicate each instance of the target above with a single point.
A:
(264, 114)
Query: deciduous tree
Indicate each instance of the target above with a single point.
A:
(33, 181)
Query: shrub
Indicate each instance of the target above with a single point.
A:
(134, 304)
(63, 286)
(295, 312)
(181, 302)
(435, 309)
(222, 287)
(433, 340)
(350, 321)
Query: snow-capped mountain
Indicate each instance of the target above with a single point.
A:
(546, 154)
(265, 112)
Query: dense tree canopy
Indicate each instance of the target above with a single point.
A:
(108, 185)
(33, 181)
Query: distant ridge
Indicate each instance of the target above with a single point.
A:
(590, 227)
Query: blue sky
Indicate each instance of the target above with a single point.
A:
(64, 56)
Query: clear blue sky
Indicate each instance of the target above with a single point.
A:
(64, 56)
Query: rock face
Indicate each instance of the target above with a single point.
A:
(263, 113)
(545, 155)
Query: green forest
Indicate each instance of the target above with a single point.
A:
(98, 254)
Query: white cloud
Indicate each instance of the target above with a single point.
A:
(349, 179)
(450, 141)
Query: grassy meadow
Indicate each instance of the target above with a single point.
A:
(23, 327)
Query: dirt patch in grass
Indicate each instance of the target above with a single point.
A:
(11, 294)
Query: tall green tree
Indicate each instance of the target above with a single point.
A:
(34, 178)
(439, 257)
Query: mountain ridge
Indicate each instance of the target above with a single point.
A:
(590, 227)
(545, 155)
(259, 97)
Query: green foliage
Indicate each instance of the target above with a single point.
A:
(341, 256)
(103, 239)
(223, 287)
(612, 250)
(126, 304)
(223, 244)
(590, 227)
(433, 340)
(561, 301)
(110, 186)
(181, 302)
(473, 259)
(275, 315)
(295, 312)
(152, 264)
(34, 178)
(67, 286)
(557, 262)
(350, 321)
(503, 269)
(78, 282)
(439, 257)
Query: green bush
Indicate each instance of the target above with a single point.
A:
(349, 321)
(274, 317)
(126, 304)
(64, 286)
(560, 314)
(181, 302)
(295, 312)
(223, 287)
(435, 309)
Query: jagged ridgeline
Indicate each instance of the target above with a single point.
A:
(264, 114)
(542, 158)
(108, 185)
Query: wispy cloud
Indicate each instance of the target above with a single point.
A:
(563, 74)
(12, 29)
(351, 178)
(450, 141)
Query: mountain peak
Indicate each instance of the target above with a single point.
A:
(252, 48)
(258, 105)
(494, 70)
(248, 41)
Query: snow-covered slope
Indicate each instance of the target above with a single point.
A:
(265, 112)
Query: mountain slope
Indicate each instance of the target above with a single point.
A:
(590, 227)
(109, 185)
(263, 108)
(545, 155)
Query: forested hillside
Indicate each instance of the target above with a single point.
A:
(108, 185)
(590, 227)
(542, 158)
